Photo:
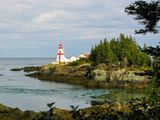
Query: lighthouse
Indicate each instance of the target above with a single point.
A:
(60, 54)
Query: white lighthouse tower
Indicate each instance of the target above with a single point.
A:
(60, 54)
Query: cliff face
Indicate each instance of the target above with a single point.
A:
(89, 76)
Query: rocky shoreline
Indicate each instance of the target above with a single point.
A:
(8, 113)
(92, 77)
(134, 109)
(88, 76)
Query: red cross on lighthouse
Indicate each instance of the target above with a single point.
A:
(60, 54)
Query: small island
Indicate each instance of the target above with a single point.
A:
(120, 63)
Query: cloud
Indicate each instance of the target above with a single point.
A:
(2, 25)
(38, 23)
(48, 16)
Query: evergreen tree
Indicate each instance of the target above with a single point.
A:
(115, 48)
(123, 50)
(107, 53)
(146, 13)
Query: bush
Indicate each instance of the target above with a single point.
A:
(79, 62)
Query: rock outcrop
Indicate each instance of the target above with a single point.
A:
(88, 76)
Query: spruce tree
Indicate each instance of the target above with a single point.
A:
(124, 50)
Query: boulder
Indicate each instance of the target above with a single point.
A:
(130, 75)
(117, 106)
(99, 75)
(116, 75)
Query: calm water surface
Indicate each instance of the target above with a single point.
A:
(17, 90)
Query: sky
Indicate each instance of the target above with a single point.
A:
(34, 28)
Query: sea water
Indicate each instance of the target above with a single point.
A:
(26, 93)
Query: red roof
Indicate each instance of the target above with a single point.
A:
(60, 44)
(85, 54)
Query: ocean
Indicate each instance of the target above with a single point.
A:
(26, 93)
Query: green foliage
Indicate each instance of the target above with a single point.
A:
(49, 115)
(7, 113)
(123, 50)
(154, 51)
(79, 62)
(139, 109)
(146, 13)
(102, 53)
(77, 114)
(154, 88)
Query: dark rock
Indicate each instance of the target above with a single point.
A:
(96, 102)
(16, 69)
(31, 69)
(27, 69)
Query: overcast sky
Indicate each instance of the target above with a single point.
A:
(34, 28)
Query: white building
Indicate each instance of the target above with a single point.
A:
(84, 55)
(73, 58)
(62, 59)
